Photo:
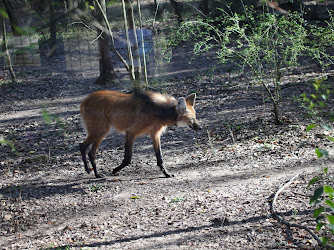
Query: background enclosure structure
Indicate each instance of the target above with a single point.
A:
(76, 49)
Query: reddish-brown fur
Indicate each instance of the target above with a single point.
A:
(135, 115)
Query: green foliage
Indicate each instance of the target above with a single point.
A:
(53, 247)
(110, 3)
(55, 121)
(316, 103)
(177, 199)
(322, 197)
(95, 187)
(260, 43)
(323, 201)
(323, 37)
(321, 152)
(89, 5)
(323, 194)
(266, 42)
(3, 13)
(8, 143)
(57, 127)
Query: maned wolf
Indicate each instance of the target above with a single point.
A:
(134, 114)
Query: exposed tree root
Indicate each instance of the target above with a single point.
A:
(279, 218)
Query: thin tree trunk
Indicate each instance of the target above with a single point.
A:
(107, 73)
(142, 45)
(177, 10)
(10, 67)
(53, 27)
(277, 115)
(205, 7)
(12, 17)
(157, 11)
(137, 84)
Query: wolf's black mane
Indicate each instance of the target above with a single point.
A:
(165, 111)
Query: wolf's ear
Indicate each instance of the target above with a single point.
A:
(181, 106)
(190, 99)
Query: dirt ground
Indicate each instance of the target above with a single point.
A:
(225, 175)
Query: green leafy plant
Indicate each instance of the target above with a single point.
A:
(95, 187)
(55, 121)
(322, 199)
(316, 103)
(323, 195)
(58, 129)
(8, 143)
(177, 199)
(54, 247)
(262, 44)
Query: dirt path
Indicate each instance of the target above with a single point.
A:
(225, 173)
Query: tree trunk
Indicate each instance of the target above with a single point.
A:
(177, 10)
(53, 27)
(12, 17)
(204, 6)
(9, 61)
(157, 10)
(277, 115)
(107, 73)
(136, 83)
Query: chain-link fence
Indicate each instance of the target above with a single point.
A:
(76, 49)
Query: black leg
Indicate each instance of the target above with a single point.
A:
(92, 155)
(83, 150)
(92, 161)
(129, 139)
(157, 149)
(160, 164)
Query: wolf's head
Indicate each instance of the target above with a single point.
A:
(186, 113)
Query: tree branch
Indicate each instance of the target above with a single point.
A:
(96, 24)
